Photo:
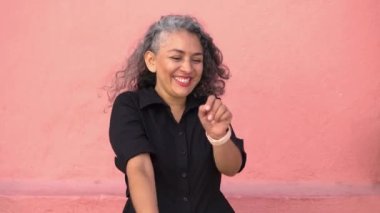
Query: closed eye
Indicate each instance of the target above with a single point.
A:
(176, 58)
(197, 60)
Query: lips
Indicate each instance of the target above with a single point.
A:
(183, 81)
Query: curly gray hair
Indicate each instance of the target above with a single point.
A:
(136, 75)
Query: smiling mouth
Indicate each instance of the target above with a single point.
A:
(183, 81)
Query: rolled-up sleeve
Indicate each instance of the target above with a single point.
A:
(240, 144)
(127, 135)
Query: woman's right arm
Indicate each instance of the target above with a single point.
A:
(132, 148)
(141, 184)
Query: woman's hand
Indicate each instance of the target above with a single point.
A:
(215, 117)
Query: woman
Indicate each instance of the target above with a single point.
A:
(170, 133)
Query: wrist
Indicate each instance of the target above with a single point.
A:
(217, 141)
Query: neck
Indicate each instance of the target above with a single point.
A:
(173, 102)
(177, 105)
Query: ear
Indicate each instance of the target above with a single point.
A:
(150, 61)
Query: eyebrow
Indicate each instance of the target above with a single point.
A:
(181, 51)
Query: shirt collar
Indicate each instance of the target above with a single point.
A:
(149, 96)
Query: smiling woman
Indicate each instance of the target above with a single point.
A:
(177, 64)
(171, 135)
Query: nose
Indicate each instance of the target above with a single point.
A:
(187, 66)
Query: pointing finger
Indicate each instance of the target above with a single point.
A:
(207, 106)
(210, 102)
(215, 107)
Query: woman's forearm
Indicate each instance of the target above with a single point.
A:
(227, 158)
(142, 185)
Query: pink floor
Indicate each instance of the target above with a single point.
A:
(26, 196)
(107, 204)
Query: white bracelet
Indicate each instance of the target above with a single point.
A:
(220, 141)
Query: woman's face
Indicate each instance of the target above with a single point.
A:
(178, 64)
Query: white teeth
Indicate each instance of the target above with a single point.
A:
(182, 80)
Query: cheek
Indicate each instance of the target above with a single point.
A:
(167, 65)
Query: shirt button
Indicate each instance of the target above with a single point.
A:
(184, 174)
(183, 152)
(185, 199)
(180, 133)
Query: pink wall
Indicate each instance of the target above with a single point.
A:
(305, 87)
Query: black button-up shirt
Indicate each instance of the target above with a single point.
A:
(186, 176)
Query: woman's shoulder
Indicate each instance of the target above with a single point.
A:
(127, 94)
(126, 97)
(137, 98)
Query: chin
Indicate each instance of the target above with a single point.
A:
(183, 93)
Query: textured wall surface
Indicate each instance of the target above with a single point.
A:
(305, 86)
